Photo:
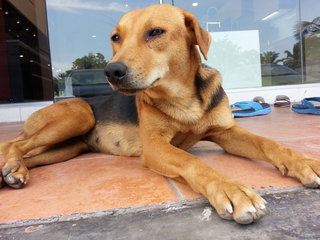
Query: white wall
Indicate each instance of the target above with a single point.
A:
(295, 92)
(19, 112)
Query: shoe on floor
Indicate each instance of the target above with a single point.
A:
(250, 109)
(307, 107)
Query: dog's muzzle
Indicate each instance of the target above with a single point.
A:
(116, 72)
(122, 80)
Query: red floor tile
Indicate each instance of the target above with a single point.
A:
(282, 124)
(305, 142)
(8, 131)
(256, 174)
(84, 185)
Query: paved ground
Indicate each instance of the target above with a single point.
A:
(291, 215)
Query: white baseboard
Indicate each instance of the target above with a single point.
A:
(294, 92)
(19, 112)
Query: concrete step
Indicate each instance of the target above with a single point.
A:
(291, 214)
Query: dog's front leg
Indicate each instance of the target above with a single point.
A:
(238, 141)
(230, 199)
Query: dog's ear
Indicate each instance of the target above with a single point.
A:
(202, 37)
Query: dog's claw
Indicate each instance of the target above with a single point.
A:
(15, 181)
(236, 202)
(252, 214)
(314, 184)
(307, 171)
(227, 214)
(246, 218)
(15, 175)
(11, 180)
(6, 171)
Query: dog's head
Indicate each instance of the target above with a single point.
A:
(154, 45)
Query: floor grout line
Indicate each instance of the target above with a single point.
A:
(175, 189)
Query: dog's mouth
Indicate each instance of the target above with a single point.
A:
(132, 90)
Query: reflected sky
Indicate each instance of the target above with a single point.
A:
(79, 27)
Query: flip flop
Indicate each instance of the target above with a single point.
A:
(282, 101)
(306, 107)
(250, 109)
(258, 99)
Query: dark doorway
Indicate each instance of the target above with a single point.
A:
(25, 65)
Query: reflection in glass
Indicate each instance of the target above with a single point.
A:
(280, 36)
(276, 74)
(309, 30)
(255, 43)
(79, 41)
(87, 83)
(25, 66)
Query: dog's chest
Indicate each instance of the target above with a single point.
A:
(186, 140)
(184, 112)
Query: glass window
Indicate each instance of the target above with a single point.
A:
(79, 40)
(256, 42)
(25, 67)
(309, 30)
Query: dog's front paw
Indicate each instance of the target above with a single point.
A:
(15, 174)
(234, 201)
(307, 170)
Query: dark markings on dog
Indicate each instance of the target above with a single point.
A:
(200, 85)
(216, 98)
(117, 144)
(115, 108)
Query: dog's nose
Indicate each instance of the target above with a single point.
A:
(116, 71)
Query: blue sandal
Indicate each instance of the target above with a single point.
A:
(306, 107)
(250, 109)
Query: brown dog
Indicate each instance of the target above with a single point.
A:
(177, 102)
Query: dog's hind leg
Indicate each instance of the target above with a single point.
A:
(58, 153)
(46, 127)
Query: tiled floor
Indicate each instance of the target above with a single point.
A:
(94, 182)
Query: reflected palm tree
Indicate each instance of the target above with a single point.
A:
(270, 57)
(305, 28)
(293, 59)
(307, 35)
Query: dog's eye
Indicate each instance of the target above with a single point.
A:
(115, 37)
(155, 32)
